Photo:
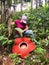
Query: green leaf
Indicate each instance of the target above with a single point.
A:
(40, 50)
(19, 30)
(13, 56)
(47, 42)
(5, 42)
(10, 41)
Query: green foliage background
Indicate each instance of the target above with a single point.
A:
(38, 21)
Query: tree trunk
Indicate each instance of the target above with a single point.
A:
(31, 4)
(40, 3)
(21, 5)
(36, 4)
(48, 2)
(45, 1)
(3, 11)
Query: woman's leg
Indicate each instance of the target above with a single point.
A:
(17, 35)
(29, 32)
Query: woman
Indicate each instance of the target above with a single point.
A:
(22, 24)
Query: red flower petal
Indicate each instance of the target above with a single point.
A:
(26, 39)
(24, 55)
(23, 47)
(31, 46)
(17, 40)
(15, 49)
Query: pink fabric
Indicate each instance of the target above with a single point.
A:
(24, 18)
(20, 24)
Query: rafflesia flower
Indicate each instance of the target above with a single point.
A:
(23, 46)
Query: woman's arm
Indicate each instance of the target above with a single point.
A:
(26, 28)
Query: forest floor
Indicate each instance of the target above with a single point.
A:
(6, 60)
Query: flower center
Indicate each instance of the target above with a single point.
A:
(23, 45)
